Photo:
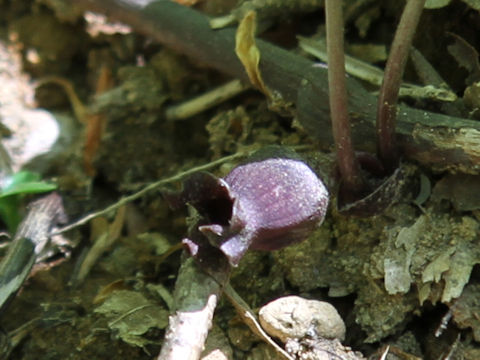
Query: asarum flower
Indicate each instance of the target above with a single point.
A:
(263, 205)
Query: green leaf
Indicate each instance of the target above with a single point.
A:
(25, 182)
(13, 189)
(9, 212)
(29, 188)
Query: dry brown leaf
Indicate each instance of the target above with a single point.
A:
(248, 53)
(466, 56)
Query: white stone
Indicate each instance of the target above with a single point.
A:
(294, 317)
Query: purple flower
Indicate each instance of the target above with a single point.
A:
(263, 205)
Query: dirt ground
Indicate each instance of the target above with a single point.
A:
(406, 278)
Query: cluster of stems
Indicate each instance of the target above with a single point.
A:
(387, 101)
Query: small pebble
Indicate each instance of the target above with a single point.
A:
(293, 317)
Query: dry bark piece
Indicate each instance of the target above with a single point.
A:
(31, 238)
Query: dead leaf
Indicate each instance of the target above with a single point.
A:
(248, 52)
(131, 315)
(466, 57)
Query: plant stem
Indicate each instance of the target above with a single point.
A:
(346, 160)
(153, 186)
(394, 69)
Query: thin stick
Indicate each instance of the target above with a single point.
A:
(346, 160)
(251, 321)
(387, 100)
(148, 188)
(205, 101)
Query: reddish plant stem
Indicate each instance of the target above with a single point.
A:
(346, 160)
(394, 69)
